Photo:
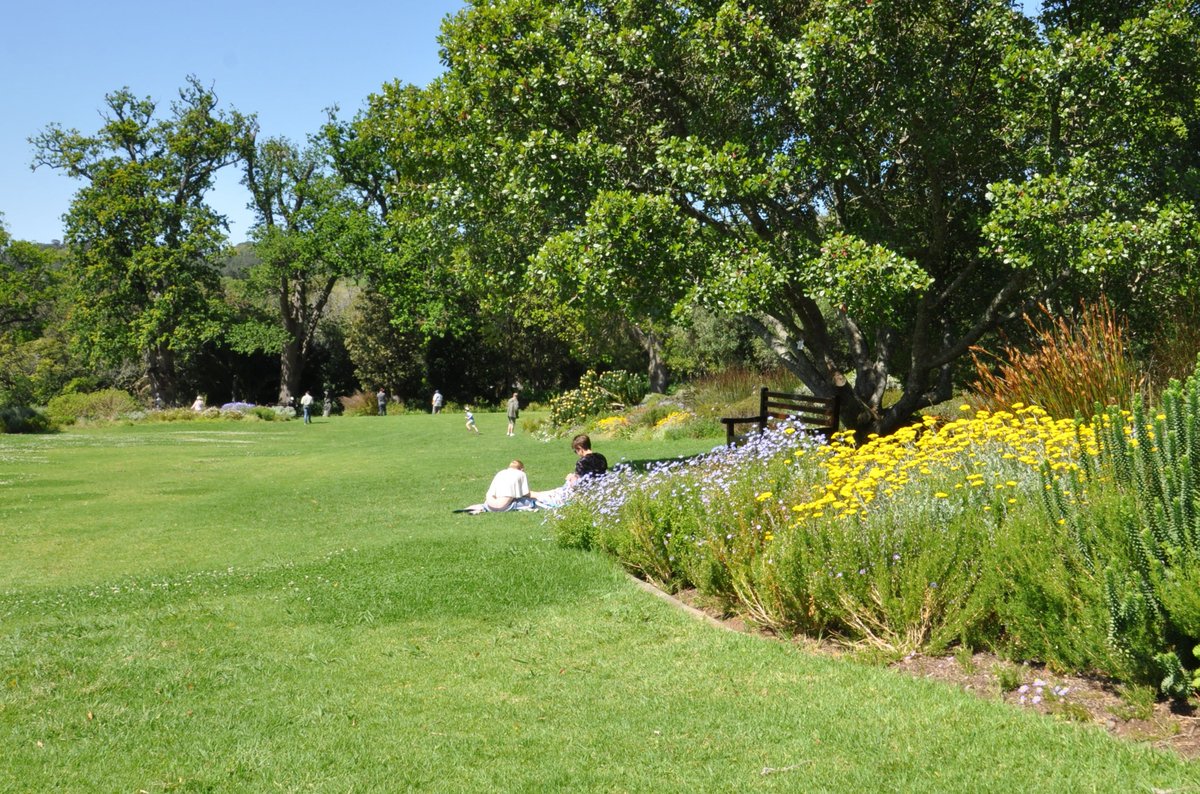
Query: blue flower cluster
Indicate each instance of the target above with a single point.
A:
(709, 478)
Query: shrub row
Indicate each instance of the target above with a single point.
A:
(1003, 530)
(104, 405)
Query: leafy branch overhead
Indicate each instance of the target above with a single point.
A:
(873, 187)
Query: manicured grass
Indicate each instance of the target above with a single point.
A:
(261, 606)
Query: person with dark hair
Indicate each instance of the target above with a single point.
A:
(381, 401)
(588, 464)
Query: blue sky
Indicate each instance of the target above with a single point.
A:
(284, 61)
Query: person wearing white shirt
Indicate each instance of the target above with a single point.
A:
(509, 489)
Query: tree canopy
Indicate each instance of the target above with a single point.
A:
(143, 242)
(309, 234)
(872, 186)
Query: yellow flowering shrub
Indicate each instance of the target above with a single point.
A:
(673, 418)
(612, 424)
(987, 452)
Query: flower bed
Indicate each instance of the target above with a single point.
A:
(998, 530)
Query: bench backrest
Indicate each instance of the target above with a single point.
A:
(819, 413)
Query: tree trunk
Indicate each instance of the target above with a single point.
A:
(294, 354)
(291, 369)
(656, 369)
(160, 371)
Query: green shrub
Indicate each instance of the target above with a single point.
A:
(23, 419)
(597, 394)
(651, 415)
(1134, 513)
(172, 415)
(1045, 596)
(104, 405)
(694, 427)
(360, 404)
(933, 537)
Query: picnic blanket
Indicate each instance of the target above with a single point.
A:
(522, 505)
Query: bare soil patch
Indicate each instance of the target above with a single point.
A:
(1085, 699)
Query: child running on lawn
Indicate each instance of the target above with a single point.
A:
(471, 420)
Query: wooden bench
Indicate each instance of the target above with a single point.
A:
(818, 414)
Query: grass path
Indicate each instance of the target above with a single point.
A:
(257, 607)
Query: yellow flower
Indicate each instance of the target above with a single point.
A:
(764, 496)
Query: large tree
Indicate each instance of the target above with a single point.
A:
(143, 242)
(29, 298)
(445, 304)
(310, 234)
(27, 285)
(872, 186)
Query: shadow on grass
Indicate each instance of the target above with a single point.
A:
(643, 465)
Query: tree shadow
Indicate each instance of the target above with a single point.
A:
(642, 465)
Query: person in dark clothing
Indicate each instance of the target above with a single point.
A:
(590, 463)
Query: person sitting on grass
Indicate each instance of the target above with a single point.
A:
(509, 490)
(589, 464)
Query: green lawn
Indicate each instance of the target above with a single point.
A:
(270, 606)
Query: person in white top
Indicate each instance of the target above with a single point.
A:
(306, 403)
(509, 489)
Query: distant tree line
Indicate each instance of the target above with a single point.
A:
(858, 192)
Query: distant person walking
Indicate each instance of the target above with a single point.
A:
(437, 401)
(514, 410)
(381, 401)
(471, 420)
(306, 405)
